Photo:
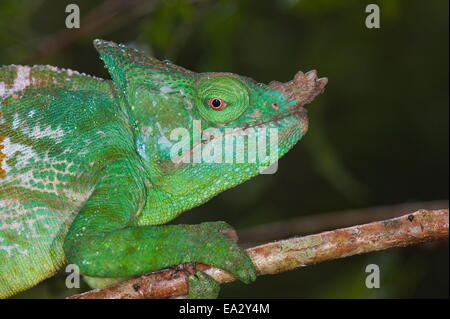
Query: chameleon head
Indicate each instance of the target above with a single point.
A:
(202, 133)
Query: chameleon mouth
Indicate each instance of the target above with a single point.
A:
(298, 112)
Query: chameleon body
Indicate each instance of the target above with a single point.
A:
(87, 172)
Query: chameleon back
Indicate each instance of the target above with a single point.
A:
(48, 117)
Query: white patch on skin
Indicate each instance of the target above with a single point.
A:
(16, 121)
(165, 89)
(55, 134)
(14, 225)
(24, 80)
(52, 68)
(2, 89)
(23, 171)
(141, 146)
(38, 131)
(21, 82)
(101, 133)
(9, 249)
(85, 150)
(10, 148)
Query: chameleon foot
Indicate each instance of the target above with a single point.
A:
(222, 252)
(202, 286)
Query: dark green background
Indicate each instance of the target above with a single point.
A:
(378, 135)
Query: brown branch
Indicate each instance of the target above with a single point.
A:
(311, 224)
(272, 258)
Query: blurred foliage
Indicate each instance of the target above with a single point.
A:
(379, 134)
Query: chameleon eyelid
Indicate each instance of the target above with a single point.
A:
(213, 100)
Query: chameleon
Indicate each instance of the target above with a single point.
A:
(89, 175)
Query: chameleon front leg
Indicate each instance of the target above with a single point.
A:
(103, 241)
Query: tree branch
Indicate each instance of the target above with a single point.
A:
(311, 224)
(280, 256)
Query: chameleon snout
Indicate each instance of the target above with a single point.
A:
(302, 89)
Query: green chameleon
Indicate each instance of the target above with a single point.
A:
(91, 169)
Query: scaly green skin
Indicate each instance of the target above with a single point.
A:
(86, 175)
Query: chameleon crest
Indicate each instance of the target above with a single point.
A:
(91, 169)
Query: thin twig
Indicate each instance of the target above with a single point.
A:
(272, 258)
(108, 16)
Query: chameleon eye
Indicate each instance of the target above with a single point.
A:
(221, 98)
(216, 104)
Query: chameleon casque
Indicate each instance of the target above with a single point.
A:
(87, 176)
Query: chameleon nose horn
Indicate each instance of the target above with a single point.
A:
(303, 88)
